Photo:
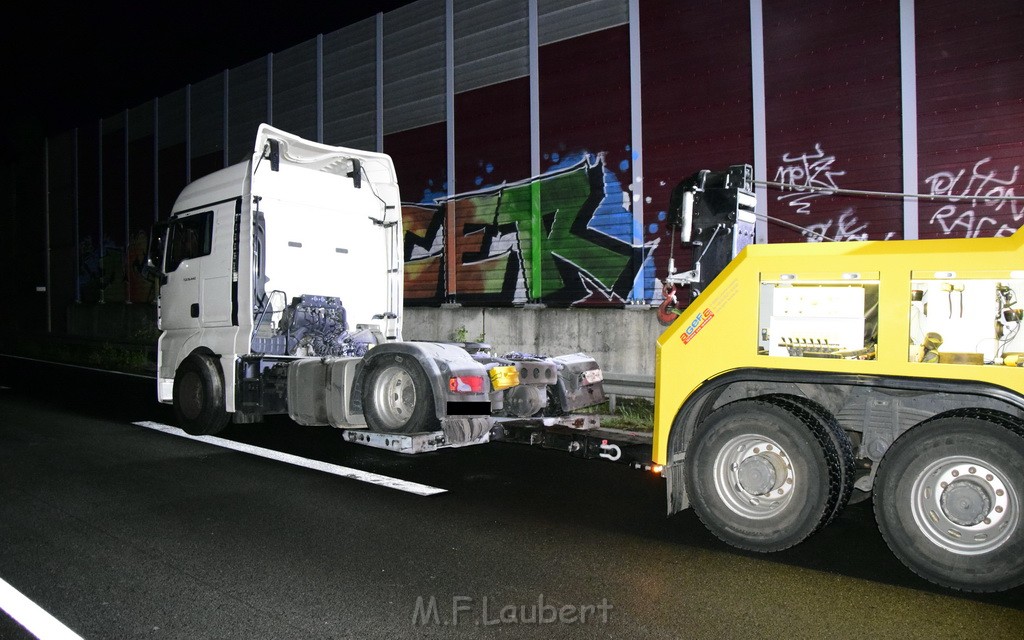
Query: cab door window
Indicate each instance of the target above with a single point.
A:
(190, 237)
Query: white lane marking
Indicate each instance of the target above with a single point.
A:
(31, 616)
(317, 465)
(78, 366)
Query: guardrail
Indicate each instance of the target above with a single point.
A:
(630, 385)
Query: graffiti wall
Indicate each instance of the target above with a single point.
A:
(832, 102)
(585, 222)
(564, 238)
(970, 91)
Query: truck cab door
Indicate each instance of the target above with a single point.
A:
(189, 243)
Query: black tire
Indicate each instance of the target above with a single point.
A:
(839, 441)
(758, 475)
(397, 397)
(199, 396)
(948, 499)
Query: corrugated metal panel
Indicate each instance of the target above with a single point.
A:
(492, 41)
(61, 187)
(350, 86)
(89, 268)
(492, 135)
(588, 253)
(295, 90)
(424, 254)
(833, 103)
(697, 109)
(563, 19)
(970, 96)
(414, 65)
(207, 104)
(140, 121)
(493, 244)
(114, 185)
(172, 119)
(247, 107)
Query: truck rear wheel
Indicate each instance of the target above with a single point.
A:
(948, 499)
(763, 474)
(397, 397)
(844, 462)
(199, 396)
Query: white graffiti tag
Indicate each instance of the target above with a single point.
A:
(800, 172)
(974, 200)
(848, 227)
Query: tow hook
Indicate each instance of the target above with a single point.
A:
(610, 451)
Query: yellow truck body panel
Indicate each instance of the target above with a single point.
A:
(794, 307)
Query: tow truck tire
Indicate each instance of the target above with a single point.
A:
(762, 474)
(948, 499)
(397, 397)
(840, 442)
(199, 396)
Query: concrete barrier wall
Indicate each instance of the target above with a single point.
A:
(621, 340)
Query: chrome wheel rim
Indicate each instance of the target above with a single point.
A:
(395, 397)
(964, 505)
(754, 476)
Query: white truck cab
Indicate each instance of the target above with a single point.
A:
(281, 292)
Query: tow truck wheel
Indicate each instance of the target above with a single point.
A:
(397, 397)
(199, 396)
(763, 474)
(844, 461)
(948, 499)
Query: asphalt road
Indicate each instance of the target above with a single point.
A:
(119, 531)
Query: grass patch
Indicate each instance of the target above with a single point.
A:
(631, 414)
(127, 358)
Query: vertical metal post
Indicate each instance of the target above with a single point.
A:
(636, 147)
(760, 120)
(75, 216)
(188, 134)
(319, 87)
(49, 249)
(156, 159)
(380, 82)
(226, 160)
(270, 88)
(536, 282)
(126, 257)
(908, 82)
(101, 249)
(449, 103)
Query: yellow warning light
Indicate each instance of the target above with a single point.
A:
(504, 377)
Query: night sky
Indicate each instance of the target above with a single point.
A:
(66, 65)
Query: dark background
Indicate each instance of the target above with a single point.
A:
(67, 65)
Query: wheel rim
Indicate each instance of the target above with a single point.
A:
(192, 398)
(754, 476)
(395, 397)
(964, 505)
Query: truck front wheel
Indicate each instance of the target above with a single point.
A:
(763, 474)
(396, 396)
(948, 499)
(199, 396)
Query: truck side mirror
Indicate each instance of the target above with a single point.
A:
(356, 173)
(153, 266)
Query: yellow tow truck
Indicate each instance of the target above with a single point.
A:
(806, 374)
